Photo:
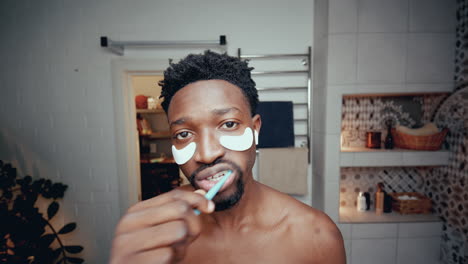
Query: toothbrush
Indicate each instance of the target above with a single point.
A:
(215, 189)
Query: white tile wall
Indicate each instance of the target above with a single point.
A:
(430, 58)
(343, 16)
(432, 16)
(393, 242)
(332, 157)
(418, 250)
(431, 229)
(342, 58)
(332, 198)
(374, 231)
(333, 120)
(383, 16)
(370, 251)
(347, 244)
(381, 58)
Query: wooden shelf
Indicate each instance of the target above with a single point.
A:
(150, 111)
(351, 215)
(363, 157)
(158, 135)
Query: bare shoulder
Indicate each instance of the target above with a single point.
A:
(315, 237)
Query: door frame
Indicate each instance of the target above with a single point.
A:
(126, 136)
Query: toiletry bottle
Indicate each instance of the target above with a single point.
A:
(388, 200)
(361, 202)
(379, 199)
(368, 200)
(389, 138)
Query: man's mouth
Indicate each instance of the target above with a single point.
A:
(206, 183)
(217, 176)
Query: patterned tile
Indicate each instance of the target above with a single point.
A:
(355, 180)
(362, 114)
(447, 186)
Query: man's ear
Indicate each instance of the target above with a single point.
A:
(257, 124)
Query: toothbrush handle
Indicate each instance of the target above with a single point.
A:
(215, 189)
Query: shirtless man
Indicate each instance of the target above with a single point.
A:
(210, 102)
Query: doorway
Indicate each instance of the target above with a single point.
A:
(127, 140)
(158, 171)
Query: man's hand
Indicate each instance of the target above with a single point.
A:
(159, 230)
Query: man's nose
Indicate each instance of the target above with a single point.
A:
(209, 149)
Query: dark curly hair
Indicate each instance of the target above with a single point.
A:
(208, 66)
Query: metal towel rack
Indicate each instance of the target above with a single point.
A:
(307, 58)
(118, 47)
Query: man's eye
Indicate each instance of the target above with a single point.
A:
(230, 124)
(183, 135)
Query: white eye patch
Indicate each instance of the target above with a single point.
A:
(181, 156)
(256, 137)
(238, 143)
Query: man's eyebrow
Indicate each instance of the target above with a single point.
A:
(179, 121)
(223, 111)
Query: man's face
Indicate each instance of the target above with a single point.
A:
(201, 114)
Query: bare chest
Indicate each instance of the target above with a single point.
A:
(258, 247)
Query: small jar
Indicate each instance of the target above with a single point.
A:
(373, 139)
(152, 104)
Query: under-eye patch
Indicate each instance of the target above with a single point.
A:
(181, 156)
(238, 143)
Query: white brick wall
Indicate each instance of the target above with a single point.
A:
(56, 108)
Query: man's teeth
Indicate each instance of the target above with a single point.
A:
(216, 177)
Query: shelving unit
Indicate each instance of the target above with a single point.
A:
(150, 111)
(379, 162)
(160, 135)
(159, 172)
(364, 157)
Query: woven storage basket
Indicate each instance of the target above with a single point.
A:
(430, 142)
(422, 205)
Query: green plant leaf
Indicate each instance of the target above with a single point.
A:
(73, 249)
(52, 210)
(67, 228)
(75, 260)
(46, 240)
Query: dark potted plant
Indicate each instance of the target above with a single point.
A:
(26, 236)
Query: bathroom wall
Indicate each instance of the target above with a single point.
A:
(56, 105)
(378, 47)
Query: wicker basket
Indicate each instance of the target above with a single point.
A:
(422, 205)
(430, 142)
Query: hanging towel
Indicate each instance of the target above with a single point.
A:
(277, 124)
(284, 169)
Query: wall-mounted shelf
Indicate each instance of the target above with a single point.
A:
(363, 157)
(362, 90)
(350, 215)
(150, 111)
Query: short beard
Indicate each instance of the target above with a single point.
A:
(223, 203)
(233, 199)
